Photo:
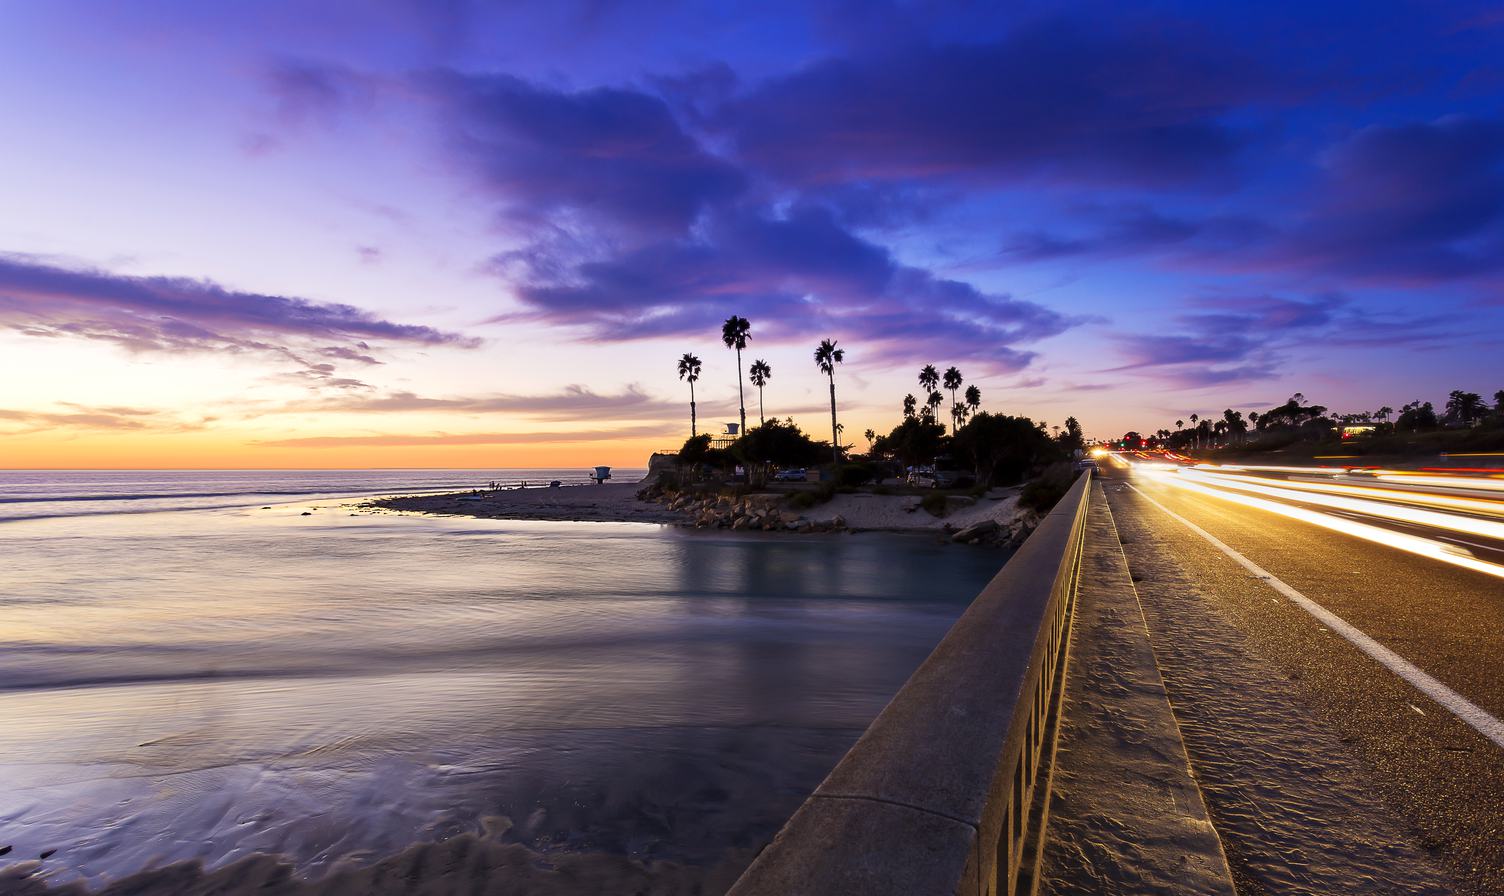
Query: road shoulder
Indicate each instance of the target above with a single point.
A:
(1126, 813)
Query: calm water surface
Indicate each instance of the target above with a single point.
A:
(180, 681)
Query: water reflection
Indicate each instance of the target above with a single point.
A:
(207, 684)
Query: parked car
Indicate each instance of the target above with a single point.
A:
(797, 475)
(954, 479)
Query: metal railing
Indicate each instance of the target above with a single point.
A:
(948, 789)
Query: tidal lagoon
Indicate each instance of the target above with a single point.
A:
(200, 667)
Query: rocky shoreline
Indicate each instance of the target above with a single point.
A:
(993, 518)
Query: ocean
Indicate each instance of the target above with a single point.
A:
(201, 666)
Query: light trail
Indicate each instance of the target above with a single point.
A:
(1430, 519)
(1478, 482)
(1389, 493)
(1413, 544)
(1470, 713)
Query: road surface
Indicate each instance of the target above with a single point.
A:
(1333, 646)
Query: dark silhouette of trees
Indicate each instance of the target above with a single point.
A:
(1002, 449)
(932, 405)
(1464, 407)
(827, 356)
(689, 369)
(1072, 438)
(973, 398)
(929, 378)
(780, 443)
(910, 405)
(913, 442)
(734, 333)
(953, 385)
(760, 373)
(1416, 416)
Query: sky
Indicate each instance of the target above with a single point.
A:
(454, 233)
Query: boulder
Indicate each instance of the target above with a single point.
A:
(977, 532)
(838, 522)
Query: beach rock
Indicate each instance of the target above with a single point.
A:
(976, 532)
(305, 513)
(741, 522)
(838, 522)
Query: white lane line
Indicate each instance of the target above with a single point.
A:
(1450, 700)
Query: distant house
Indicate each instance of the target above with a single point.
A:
(1357, 431)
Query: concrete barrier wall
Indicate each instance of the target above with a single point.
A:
(947, 791)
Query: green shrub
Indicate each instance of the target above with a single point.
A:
(935, 504)
(1045, 490)
(807, 498)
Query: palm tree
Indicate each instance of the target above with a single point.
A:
(1465, 406)
(1382, 414)
(953, 384)
(689, 369)
(871, 438)
(1194, 418)
(1179, 425)
(958, 414)
(932, 406)
(827, 356)
(929, 378)
(909, 404)
(973, 398)
(759, 374)
(735, 332)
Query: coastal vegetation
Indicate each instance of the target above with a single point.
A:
(689, 369)
(1467, 422)
(827, 356)
(734, 333)
(760, 373)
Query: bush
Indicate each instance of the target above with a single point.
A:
(853, 475)
(805, 499)
(1045, 490)
(935, 504)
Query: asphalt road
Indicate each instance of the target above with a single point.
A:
(1340, 688)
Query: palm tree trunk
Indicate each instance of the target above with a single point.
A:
(692, 432)
(835, 439)
(740, 395)
(760, 418)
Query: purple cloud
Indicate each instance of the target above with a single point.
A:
(1137, 230)
(1140, 106)
(393, 440)
(84, 417)
(1413, 203)
(1248, 338)
(618, 156)
(799, 272)
(167, 313)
